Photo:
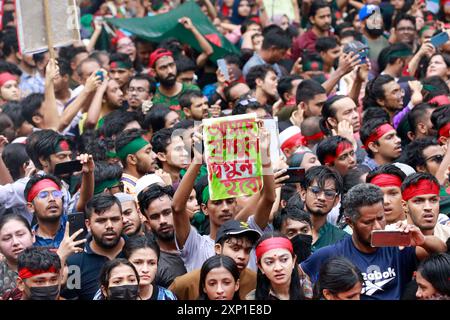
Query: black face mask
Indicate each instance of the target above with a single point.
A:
(44, 293)
(126, 292)
(302, 246)
(374, 32)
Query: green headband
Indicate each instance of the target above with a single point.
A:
(429, 87)
(205, 195)
(131, 148)
(105, 184)
(401, 53)
(111, 154)
(120, 65)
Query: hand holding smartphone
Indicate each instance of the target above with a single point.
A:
(296, 175)
(77, 222)
(67, 167)
(439, 39)
(221, 63)
(389, 238)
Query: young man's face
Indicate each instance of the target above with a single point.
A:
(121, 75)
(132, 218)
(48, 280)
(269, 84)
(405, 32)
(346, 109)
(345, 162)
(313, 108)
(143, 52)
(138, 92)
(433, 156)
(160, 219)
(389, 146)
(220, 211)
(114, 95)
(371, 218)
(176, 154)
(319, 202)
(393, 210)
(290, 228)
(423, 211)
(199, 109)
(186, 77)
(47, 205)
(237, 249)
(322, 19)
(145, 160)
(166, 71)
(106, 227)
(393, 96)
(330, 56)
(54, 159)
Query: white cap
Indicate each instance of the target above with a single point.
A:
(146, 181)
(288, 133)
(22, 140)
(408, 170)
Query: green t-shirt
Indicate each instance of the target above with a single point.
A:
(172, 101)
(328, 235)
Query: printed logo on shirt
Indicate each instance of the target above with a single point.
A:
(376, 280)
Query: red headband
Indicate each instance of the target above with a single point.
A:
(379, 132)
(444, 131)
(440, 100)
(5, 77)
(387, 180)
(39, 186)
(341, 147)
(26, 273)
(294, 141)
(423, 186)
(119, 35)
(273, 243)
(157, 54)
(316, 136)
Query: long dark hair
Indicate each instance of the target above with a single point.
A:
(214, 262)
(337, 275)
(109, 266)
(436, 270)
(263, 283)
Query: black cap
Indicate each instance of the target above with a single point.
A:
(234, 227)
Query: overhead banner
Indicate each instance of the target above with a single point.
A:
(233, 156)
(31, 31)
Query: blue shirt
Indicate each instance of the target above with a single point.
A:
(51, 242)
(256, 60)
(385, 272)
(85, 268)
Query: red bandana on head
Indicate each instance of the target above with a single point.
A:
(444, 132)
(341, 147)
(158, 54)
(378, 133)
(423, 186)
(26, 273)
(39, 186)
(273, 243)
(387, 180)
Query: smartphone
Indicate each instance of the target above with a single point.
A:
(101, 75)
(439, 39)
(77, 222)
(221, 63)
(67, 167)
(383, 238)
(296, 175)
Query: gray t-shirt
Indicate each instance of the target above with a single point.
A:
(256, 60)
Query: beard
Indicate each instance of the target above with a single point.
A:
(374, 32)
(317, 212)
(105, 244)
(168, 82)
(165, 236)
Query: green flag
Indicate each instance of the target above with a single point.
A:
(163, 26)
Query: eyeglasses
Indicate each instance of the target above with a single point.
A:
(329, 194)
(403, 29)
(140, 90)
(120, 186)
(57, 194)
(436, 158)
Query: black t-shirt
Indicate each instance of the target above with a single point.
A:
(170, 266)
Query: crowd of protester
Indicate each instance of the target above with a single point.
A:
(361, 94)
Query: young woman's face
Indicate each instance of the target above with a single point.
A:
(244, 8)
(192, 205)
(437, 67)
(172, 118)
(220, 284)
(146, 263)
(277, 265)
(122, 275)
(352, 294)
(425, 289)
(14, 238)
(10, 91)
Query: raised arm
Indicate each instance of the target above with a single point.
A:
(87, 181)
(181, 218)
(5, 176)
(207, 49)
(49, 108)
(347, 63)
(96, 106)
